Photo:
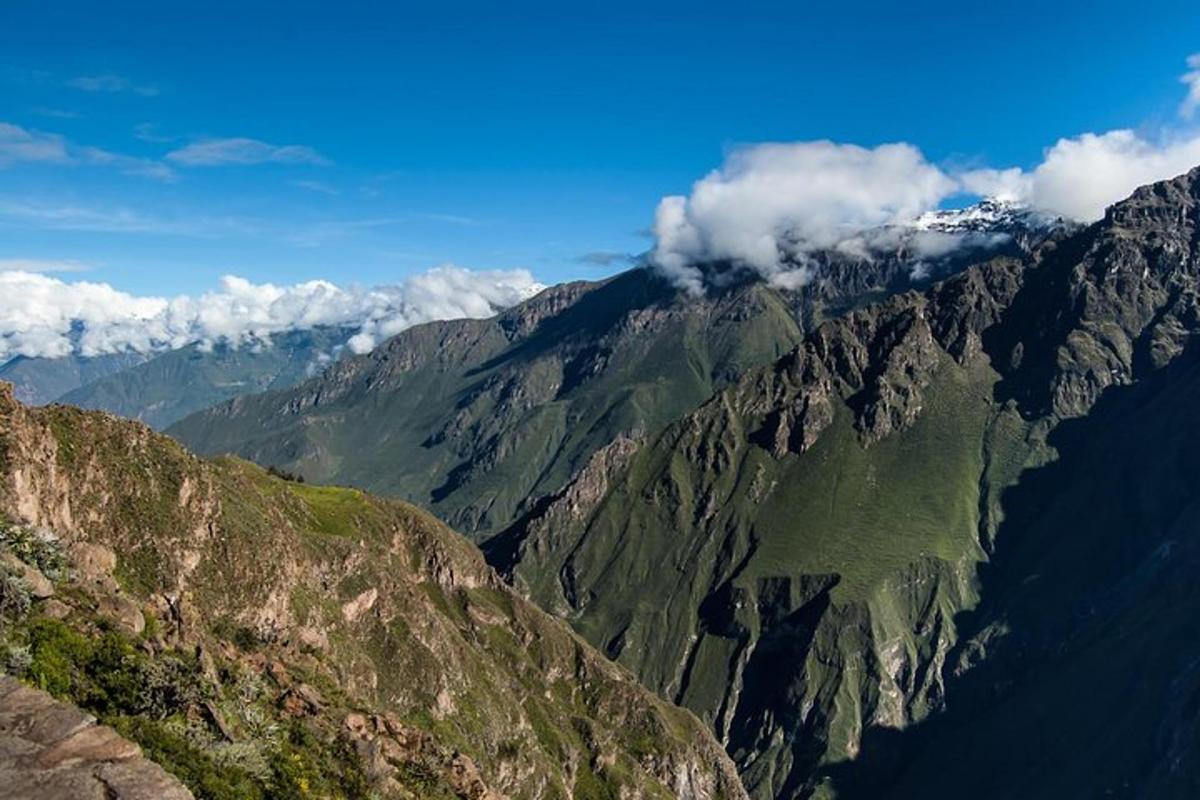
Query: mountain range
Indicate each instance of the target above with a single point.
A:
(920, 521)
(161, 388)
(817, 517)
(479, 419)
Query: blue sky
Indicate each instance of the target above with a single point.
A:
(507, 135)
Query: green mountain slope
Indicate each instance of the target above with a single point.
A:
(261, 638)
(171, 385)
(1076, 674)
(481, 420)
(761, 565)
(474, 417)
(815, 559)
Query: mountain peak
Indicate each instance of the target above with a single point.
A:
(989, 215)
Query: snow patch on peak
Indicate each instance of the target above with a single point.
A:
(989, 215)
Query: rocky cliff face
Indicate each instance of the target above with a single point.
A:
(482, 420)
(803, 559)
(255, 634)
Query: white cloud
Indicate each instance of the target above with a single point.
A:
(316, 186)
(771, 204)
(19, 145)
(41, 315)
(1079, 177)
(771, 201)
(216, 152)
(111, 84)
(1011, 185)
(42, 265)
(130, 165)
(1191, 79)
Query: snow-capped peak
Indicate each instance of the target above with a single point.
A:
(989, 215)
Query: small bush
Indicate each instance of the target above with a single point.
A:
(36, 547)
(15, 658)
(15, 596)
(208, 778)
(306, 767)
(108, 675)
(243, 637)
(283, 474)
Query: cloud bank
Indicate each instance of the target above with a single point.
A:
(1080, 177)
(44, 316)
(770, 204)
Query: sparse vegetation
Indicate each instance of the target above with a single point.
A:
(36, 547)
(285, 475)
(304, 605)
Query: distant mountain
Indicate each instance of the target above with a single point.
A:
(171, 385)
(481, 419)
(38, 381)
(260, 638)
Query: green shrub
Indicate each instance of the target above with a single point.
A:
(208, 778)
(35, 547)
(15, 596)
(306, 767)
(57, 658)
(109, 675)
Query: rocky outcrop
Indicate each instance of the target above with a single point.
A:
(50, 750)
(232, 603)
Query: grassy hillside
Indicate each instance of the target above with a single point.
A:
(264, 638)
(823, 580)
(476, 418)
(1083, 648)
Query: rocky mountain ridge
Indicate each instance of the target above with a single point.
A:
(254, 634)
(830, 515)
(802, 548)
(494, 416)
